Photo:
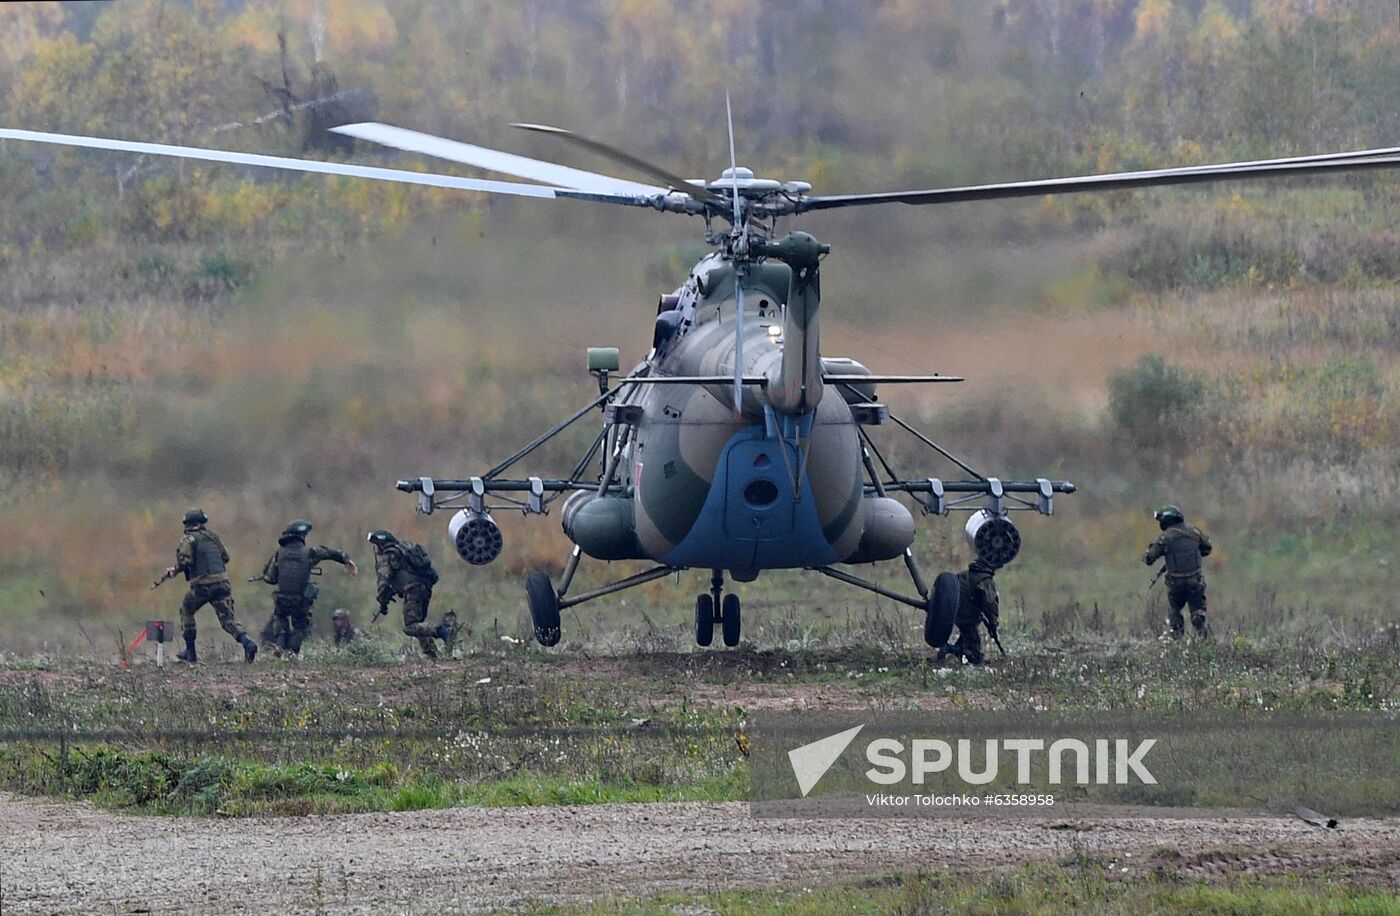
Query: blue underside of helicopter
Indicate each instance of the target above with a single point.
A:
(752, 520)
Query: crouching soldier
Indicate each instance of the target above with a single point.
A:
(290, 568)
(342, 629)
(977, 604)
(1182, 546)
(404, 570)
(204, 561)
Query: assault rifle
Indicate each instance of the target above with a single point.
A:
(170, 573)
(1156, 577)
(992, 632)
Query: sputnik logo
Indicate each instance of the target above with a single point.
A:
(811, 761)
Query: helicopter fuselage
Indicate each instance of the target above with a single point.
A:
(705, 485)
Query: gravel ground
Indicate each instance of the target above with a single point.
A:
(62, 857)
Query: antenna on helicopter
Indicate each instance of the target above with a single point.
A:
(739, 246)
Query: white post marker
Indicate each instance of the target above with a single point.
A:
(156, 632)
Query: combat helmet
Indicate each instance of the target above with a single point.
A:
(295, 531)
(340, 613)
(1168, 516)
(195, 516)
(382, 537)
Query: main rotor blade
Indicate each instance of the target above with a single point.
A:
(674, 182)
(325, 168)
(282, 162)
(733, 162)
(1305, 165)
(508, 163)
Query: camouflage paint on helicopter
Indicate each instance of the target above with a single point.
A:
(752, 490)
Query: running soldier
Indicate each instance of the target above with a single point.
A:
(290, 569)
(404, 570)
(204, 561)
(1182, 546)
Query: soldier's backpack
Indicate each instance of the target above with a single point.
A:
(418, 563)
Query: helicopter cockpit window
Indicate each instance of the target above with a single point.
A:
(667, 324)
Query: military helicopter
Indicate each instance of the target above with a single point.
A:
(735, 446)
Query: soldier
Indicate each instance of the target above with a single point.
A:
(204, 561)
(289, 568)
(405, 571)
(341, 628)
(1182, 546)
(977, 604)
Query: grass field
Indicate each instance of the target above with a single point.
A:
(305, 384)
(272, 347)
(1102, 884)
(509, 726)
(344, 732)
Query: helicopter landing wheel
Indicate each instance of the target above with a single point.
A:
(704, 620)
(544, 607)
(729, 620)
(941, 611)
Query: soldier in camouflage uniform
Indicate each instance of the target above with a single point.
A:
(977, 604)
(404, 571)
(204, 561)
(1182, 546)
(290, 568)
(342, 629)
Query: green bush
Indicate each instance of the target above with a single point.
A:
(223, 271)
(1153, 402)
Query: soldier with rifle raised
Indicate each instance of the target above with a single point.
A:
(201, 556)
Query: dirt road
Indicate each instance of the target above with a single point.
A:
(59, 857)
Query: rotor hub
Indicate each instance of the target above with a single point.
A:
(748, 185)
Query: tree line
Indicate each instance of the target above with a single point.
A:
(879, 93)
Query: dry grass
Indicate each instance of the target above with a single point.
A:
(326, 376)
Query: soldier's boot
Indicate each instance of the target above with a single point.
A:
(1178, 625)
(1198, 621)
(250, 648)
(448, 634)
(280, 645)
(952, 648)
(189, 655)
(429, 648)
(294, 644)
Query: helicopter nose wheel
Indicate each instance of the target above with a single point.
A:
(704, 620)
(729, 620)
(717, 607)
